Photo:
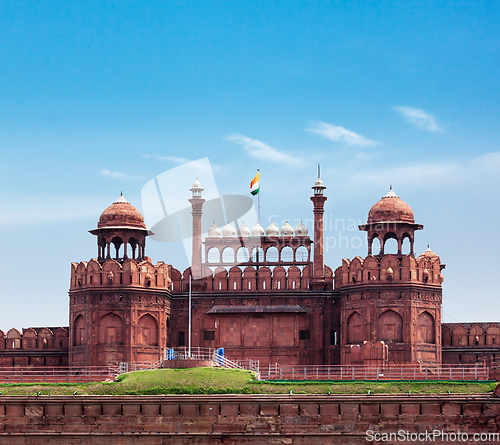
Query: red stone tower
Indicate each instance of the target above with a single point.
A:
(318, 281)
(390, 303)
(119, 301)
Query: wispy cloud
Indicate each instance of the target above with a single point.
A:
(114, 175)
(260, 150)
(39, 209)
(420, 118)
(479, 170)
(173, 159)
(338, 134)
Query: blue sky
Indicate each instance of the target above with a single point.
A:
(98, 97)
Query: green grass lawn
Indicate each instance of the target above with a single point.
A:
(229, 381)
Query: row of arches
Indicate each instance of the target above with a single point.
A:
(471, 335)
(121, 247)
(390, 243)
(272, 254)
(110, 330)
(389, 328)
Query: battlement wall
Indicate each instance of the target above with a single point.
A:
(389, 269)
(112, 273)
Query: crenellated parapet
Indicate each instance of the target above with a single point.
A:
(251, 279)
(35, 338)
(112, 273)
(388, 269)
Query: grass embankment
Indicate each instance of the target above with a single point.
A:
(220, 381)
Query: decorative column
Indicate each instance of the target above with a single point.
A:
(318, 281)
(197, 211)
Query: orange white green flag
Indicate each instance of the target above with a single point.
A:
(255, 185)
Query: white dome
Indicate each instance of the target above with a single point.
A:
(228, 231)
(318, 183)
(258, 230)
(243, 230)
(196, 184)
(301, 230)
(272, 230)
(213, 231)
(287, 230)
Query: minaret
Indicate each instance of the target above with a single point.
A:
(318, 281)
(197, 211)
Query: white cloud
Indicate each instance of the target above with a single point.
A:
(114, 175)
(260, 150)
(173, 159)
(32, 211)
(479, 170)
(339, 134)
(420, 118)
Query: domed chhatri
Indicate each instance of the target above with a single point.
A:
(301, 230)
(429, 254)
(257, 230)
(272, 230)
(287, 230)
(391, 208)
(213, 231)
(243, 231)
(121, 214)
(228, 231)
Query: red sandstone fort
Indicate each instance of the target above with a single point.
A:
(264, 294)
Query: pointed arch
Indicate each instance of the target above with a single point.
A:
(355, 329)
(425, 328)
(79, 331)
(147, 331)
(390, 327)
(110, 329)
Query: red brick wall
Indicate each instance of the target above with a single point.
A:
(297, 419)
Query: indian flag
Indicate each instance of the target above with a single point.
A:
(254, 185)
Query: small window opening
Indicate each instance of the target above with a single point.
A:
(305, 334)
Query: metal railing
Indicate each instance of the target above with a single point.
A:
(40, 374)
(211, 355)
(405, 372)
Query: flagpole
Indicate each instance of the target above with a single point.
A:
(258, 195)
(189, 332)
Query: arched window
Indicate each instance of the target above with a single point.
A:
(287, 254)
(228, 255)
(376, 246)
(147, 331)
(301, 254)
(213, 255)
(390, 244)
(117, 242)
(110, 330)
(133, 248)
(355, 329)
(242, 255)
(425, 328)
(272, 255)
(406, 245)
(390, 327)
(257, 255)
(79, 334)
